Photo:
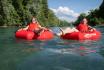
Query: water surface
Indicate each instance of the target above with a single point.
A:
(55, 54)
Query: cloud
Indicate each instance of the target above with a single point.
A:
(65, 13)
(67, 18)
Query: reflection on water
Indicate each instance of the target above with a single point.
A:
(55, 54)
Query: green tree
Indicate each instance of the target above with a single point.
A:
(20, 12)
(8, 14)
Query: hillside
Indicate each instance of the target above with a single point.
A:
(20, 12)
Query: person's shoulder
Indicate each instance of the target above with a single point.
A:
(30, 23)
(38, 23)
(79, 24)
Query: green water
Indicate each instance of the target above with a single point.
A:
(55, 54)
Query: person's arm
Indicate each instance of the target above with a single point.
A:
(41, 26)
(44, 28)
(26, 28)
(91, 28)
(23, 28)
(38, 24)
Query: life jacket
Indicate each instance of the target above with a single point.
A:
(82, 27)
(33, 26)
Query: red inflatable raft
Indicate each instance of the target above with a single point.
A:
(29, 35)
(82, 36)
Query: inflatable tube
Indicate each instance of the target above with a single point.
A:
(82, 36)
(23, 34)
(46, 35)
(29, 35)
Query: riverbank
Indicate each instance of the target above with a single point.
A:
(10, 26)
(55, 26)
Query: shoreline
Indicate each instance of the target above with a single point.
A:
(24, 26)
(10, 26)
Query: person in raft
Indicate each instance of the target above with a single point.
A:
(34, 26)
(84, 27)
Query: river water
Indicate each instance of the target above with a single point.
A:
(55, 54)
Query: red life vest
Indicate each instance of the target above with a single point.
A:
(82, 27)
(33, 26)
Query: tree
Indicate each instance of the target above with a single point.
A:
(20, 12)
(8, 14)
(101, 10)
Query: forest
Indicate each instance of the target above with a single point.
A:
(20, 12)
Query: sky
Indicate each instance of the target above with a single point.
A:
(69, 10)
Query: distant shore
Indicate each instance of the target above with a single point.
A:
(11, 26)
(53, 26)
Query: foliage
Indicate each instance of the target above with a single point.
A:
(8, 14)
(101, 10)
(94, 17)
(20, 12)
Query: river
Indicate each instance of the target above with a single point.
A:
(55, 54)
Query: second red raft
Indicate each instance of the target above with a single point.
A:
(82, 36)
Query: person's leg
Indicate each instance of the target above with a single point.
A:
(40, 31)
(36, 32)
(75, 30)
